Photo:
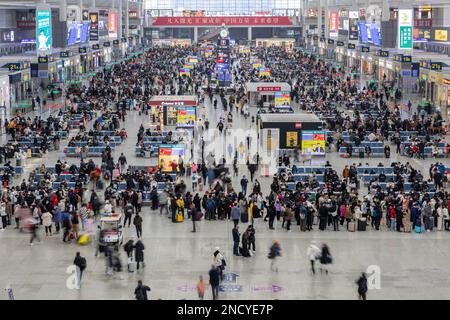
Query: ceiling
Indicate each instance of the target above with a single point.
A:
(28, 4)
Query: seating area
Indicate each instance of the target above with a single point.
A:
(91, 152)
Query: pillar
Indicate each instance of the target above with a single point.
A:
(249, 33)
(127, 19)
(195, 34)
(119, 21)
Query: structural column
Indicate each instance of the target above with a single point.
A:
(127, 19)
(119, 21)
(195, 34)
(249, 33)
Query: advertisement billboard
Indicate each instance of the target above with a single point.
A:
(185, 117)
(93, 31)
(292, 139)
(168, 156)
(334, 23)
(44, 31)
(440, 35)
(185, 72)
(264, 72)
(282, 99)
(112, 23)
(405, 29)
(313, 142)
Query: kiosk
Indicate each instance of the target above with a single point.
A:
(177, 111)
(265, 91)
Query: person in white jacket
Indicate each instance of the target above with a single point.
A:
(442, 217)
(3, 215)
(219, 262)
(47, 222)
(313, 253)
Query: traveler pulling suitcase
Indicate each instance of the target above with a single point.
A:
(131, 265)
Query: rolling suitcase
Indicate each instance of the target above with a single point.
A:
(244, 217)
(407, 227)
(429, 223)
(418, 229)
(131, 265)
(362, 223)
(351, 226)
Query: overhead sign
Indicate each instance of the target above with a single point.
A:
(43, 59)
(93, 30)
(262, 89)
(82, 50)
(85, 15)
(351, 46)
(383, 53)
(15, 67)
(406, 58)
(64, 54)
(405, 29)
(116, 42)
(340, 43)
(219, 21)
(96, 46)
(106, 44)
(44, 31)
(365, 49)
(330, 41)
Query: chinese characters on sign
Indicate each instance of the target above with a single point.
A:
(405, 28)
(218, 21)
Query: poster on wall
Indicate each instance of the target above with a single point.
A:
(334, 23)
(282, 99)
(292, 139)
(168, 156)
(93, 31)
(352, 25)
(313, 142)
(85, 15)
(185, 72)
(405, 28)
(112, 23)
(185, 117)
(440, 35)
(264, 72)
(44, 31)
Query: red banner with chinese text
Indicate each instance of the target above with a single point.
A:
(228, 21)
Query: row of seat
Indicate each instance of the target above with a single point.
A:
(17, 170)
(92, 151)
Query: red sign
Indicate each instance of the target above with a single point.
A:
(218, 21)
(268, 88)
(298, 125)
(26, 24)
(173, 103)
(334, 23)
(112, 22)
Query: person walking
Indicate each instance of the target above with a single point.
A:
(128, 211)
(141, 291)
(137, 221)
(3, 216)
(214, 281)
(362, 287)
(244, 183)
(313, 252)
(236, 238)
(251, 238)
(33, 229)
(219, 262)
(325, 258)
(201, 287)
(275, 251)
(81, 264)
(139, 253)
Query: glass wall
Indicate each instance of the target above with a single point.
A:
(227, 7)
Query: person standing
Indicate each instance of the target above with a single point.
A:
(137, 221)
(236, 238)
(47, 222)
(244, 183)
(122, 162)
(251, 238)
(313, 253)
(201, 287)
(362, 287)
(194, 216)
(81, 264)
(141, 291)
(128, 210)
(214, 281)
(235, 213)
(139, 253)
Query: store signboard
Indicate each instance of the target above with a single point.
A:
(405, 29)
(185, 117)
(334, 24)
(44, 31)
(440, 35)
(282, 99)
(269, 89)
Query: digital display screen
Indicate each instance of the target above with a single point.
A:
(313, 142)
(185, 116)
(169, 154)
(282, 99)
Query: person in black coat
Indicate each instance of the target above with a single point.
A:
(214, 281)
(141, 291)
(362, 286)
(325, 258)
(139, 253)
(81, 264)
(236, 240)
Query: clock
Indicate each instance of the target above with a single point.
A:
(224, 33)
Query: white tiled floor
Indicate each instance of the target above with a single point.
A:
(413, 266)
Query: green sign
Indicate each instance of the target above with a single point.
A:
(405, 37)
(44, 30)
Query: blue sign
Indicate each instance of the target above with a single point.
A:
(230, 288)
(230, 277)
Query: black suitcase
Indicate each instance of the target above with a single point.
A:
(429, 223)
(361, 154)
(244, 217)
(362, 225)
